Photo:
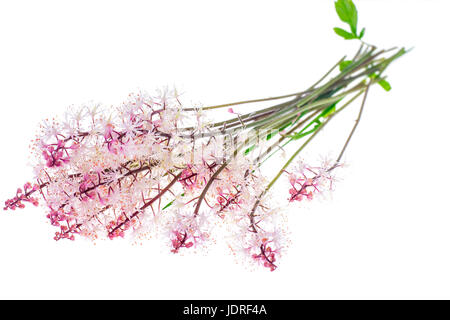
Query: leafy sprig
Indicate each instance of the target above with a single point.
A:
(347, 12)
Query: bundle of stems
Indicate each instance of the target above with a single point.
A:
(305, 114)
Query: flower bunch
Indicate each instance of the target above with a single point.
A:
(306, 181)
(153, 166)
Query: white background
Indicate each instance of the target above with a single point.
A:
(385, 233)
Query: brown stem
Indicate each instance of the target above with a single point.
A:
(208, 185)
(149, 203)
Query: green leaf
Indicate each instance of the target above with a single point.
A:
(344, 34)
(303, 134)
(385, 85)
(168, 205)
(171, 202)
(347, 12)
(328, 111)
(344, 64)
(246, 152)
(361, 34)
(373, 75)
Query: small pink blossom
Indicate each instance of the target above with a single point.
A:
(22, 196)
(180, 240)
(266, 254)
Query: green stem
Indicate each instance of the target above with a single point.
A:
(355, 125)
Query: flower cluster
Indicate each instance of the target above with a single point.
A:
(266, 255)
(21, 196)
(56, 154)
(306, 180)
(104, 173)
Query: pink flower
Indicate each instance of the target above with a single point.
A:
(109, 178)
(16, 202)
(266, 255)
(56, 154)
(310, 180)
(180, 240)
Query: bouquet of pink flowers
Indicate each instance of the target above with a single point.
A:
(154, 166)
